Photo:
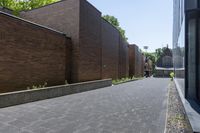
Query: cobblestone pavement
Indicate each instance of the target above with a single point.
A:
(134, 107)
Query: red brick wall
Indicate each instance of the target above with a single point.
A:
(89, 42)
(63, 16)
(30, 55)
(139, 62)
(142, 66)
(136, 61)
(110, 51)
(82, 22)
(126, 59)
(123, 59)
(132, 60)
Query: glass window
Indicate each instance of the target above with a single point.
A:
(178, 56)
(198, 4)
(191, 59)
(182, 10)
(191, 4)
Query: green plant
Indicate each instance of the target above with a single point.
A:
(20, 5)
(172, 76)
(66, 82)
(123, 80)
(114, 21)
(37, 86)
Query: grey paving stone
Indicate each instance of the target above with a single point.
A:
(18, 123)
(132, 107)
(10, 129)
(26, 132)
(40, 130)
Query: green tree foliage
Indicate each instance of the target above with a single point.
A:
(38, 3)
(114, 21)
(7, 3)
(159, 52)
(155, 55)
(20, 5)
(111, 19)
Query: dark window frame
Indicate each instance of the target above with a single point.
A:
(198, 3)
(192, 14)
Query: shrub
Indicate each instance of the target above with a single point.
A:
(172, 75)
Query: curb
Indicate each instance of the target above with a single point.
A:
(27, 96)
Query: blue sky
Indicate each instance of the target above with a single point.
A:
(147, 22)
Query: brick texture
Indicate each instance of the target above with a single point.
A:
(90, 42)
(62, 16)
(142, 65)
(136, 61)
(132, 60)
(37, 54)
(82, 22)
(6, 10)
(110, 51)
(123, 58)
(31, 55)
(138, 64)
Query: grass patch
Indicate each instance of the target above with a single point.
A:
(124, 80)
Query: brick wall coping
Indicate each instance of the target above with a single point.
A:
(1, 7)
(35, 24)
(111, 25)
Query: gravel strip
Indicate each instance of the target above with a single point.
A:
(177, 121)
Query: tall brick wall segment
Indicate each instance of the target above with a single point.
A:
(31, 54)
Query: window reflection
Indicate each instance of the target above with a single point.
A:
(191, 4)
(191, 58)
(178, 56)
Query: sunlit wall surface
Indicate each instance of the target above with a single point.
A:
(179, 57)
(179, 44)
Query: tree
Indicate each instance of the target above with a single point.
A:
(20, 5)
(111, 19)
(39, 3)
(7, 3)
(114, 21)
(159, 52)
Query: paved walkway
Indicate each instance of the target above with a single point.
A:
(134, 107)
